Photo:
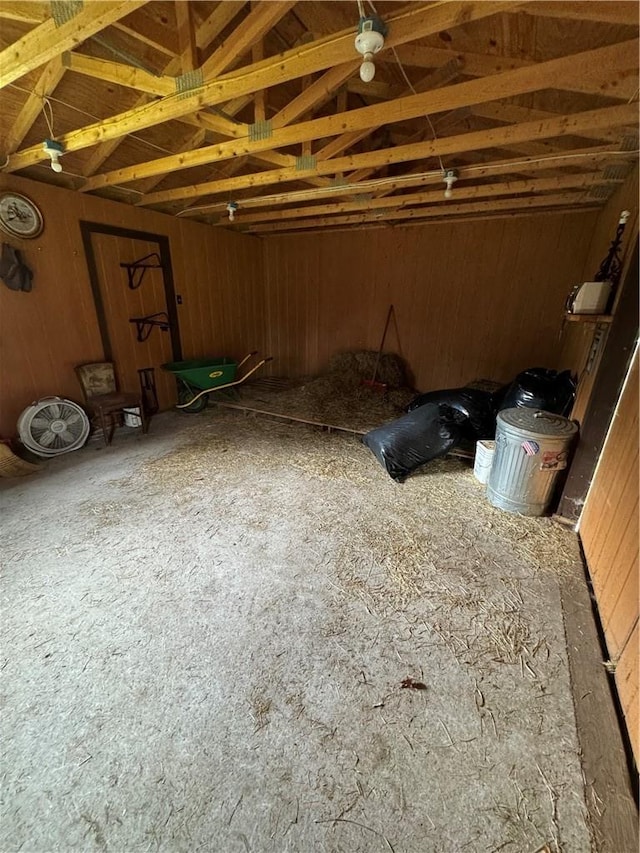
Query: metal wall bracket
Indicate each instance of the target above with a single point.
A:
(140, 267)
(145, 325)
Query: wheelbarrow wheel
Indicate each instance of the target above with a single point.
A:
(201, 403)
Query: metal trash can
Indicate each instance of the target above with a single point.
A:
(531, 448)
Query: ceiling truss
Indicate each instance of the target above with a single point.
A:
(534, 105)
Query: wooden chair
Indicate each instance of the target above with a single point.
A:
(102, 398)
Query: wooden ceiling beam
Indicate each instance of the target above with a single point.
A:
(30, 12)
(187, 47)
(589, 159)
(260, 98)
(216, 22)
(121, 74)
(209, 30)
(492, 88)
(482, 65)
(419, 21)
(194, 141)
(445, 74)
(313, 96)
(409, 200)
(250, 31)
(49, 40)
(618, 116)
(443, 208)
(513, 114)
(33, 106)
(591, 10)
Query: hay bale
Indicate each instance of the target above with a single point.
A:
(352, 367)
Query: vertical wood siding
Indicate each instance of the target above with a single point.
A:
(578, 337)
(476, 299)
(45, 333)
(609, 533)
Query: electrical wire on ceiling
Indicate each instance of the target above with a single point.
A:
(402, 179)
(50, 98)
(83, 178)
(407, 81)
(46, 105)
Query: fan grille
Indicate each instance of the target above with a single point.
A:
(53, 426)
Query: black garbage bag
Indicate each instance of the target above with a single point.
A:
(541, 388)
(477, 406)
(416, 438)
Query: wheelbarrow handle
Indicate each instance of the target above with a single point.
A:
(247, 357)
(227, 384)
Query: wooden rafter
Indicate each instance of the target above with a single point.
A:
(52, 74)
(28, 11)
(513, 113)
(205, 34)
(259, 21)
(314, 95)
(410, 200)
(187, 46)
(442, 209)
(216, 22)
(305, 59)
(498, 86)
(482, 65)
(619, 116)
(49, 40)
(589, 159)
(587, 10)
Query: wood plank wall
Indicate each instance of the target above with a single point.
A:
(609, 532)
(578, 337)
(481, 299)
(43, 334)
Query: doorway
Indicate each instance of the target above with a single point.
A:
(133, 290)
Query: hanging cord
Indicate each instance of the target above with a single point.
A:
(410, 85)
(46, 105)
(50, 98)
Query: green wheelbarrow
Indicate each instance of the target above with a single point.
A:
(200, 377)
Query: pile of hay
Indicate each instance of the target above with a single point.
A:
(352, 367)
(339, 398)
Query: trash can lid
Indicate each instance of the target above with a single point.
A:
(538, 422)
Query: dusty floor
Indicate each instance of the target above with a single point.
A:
(205, 634)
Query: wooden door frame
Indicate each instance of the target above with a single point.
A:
(607, 387)
(89, 228)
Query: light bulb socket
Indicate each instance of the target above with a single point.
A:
(54, 150)
(449, 176)
(370, 39)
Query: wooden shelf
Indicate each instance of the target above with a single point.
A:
(588, 318)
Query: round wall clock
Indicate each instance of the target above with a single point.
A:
(19, 216)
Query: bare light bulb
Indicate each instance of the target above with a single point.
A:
(367, 69)
(449, 176)
(56, 165)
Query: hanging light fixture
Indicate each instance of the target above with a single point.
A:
(449, 176)
(370, 40)
(54, 151)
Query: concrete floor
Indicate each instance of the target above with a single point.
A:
(205, 634)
